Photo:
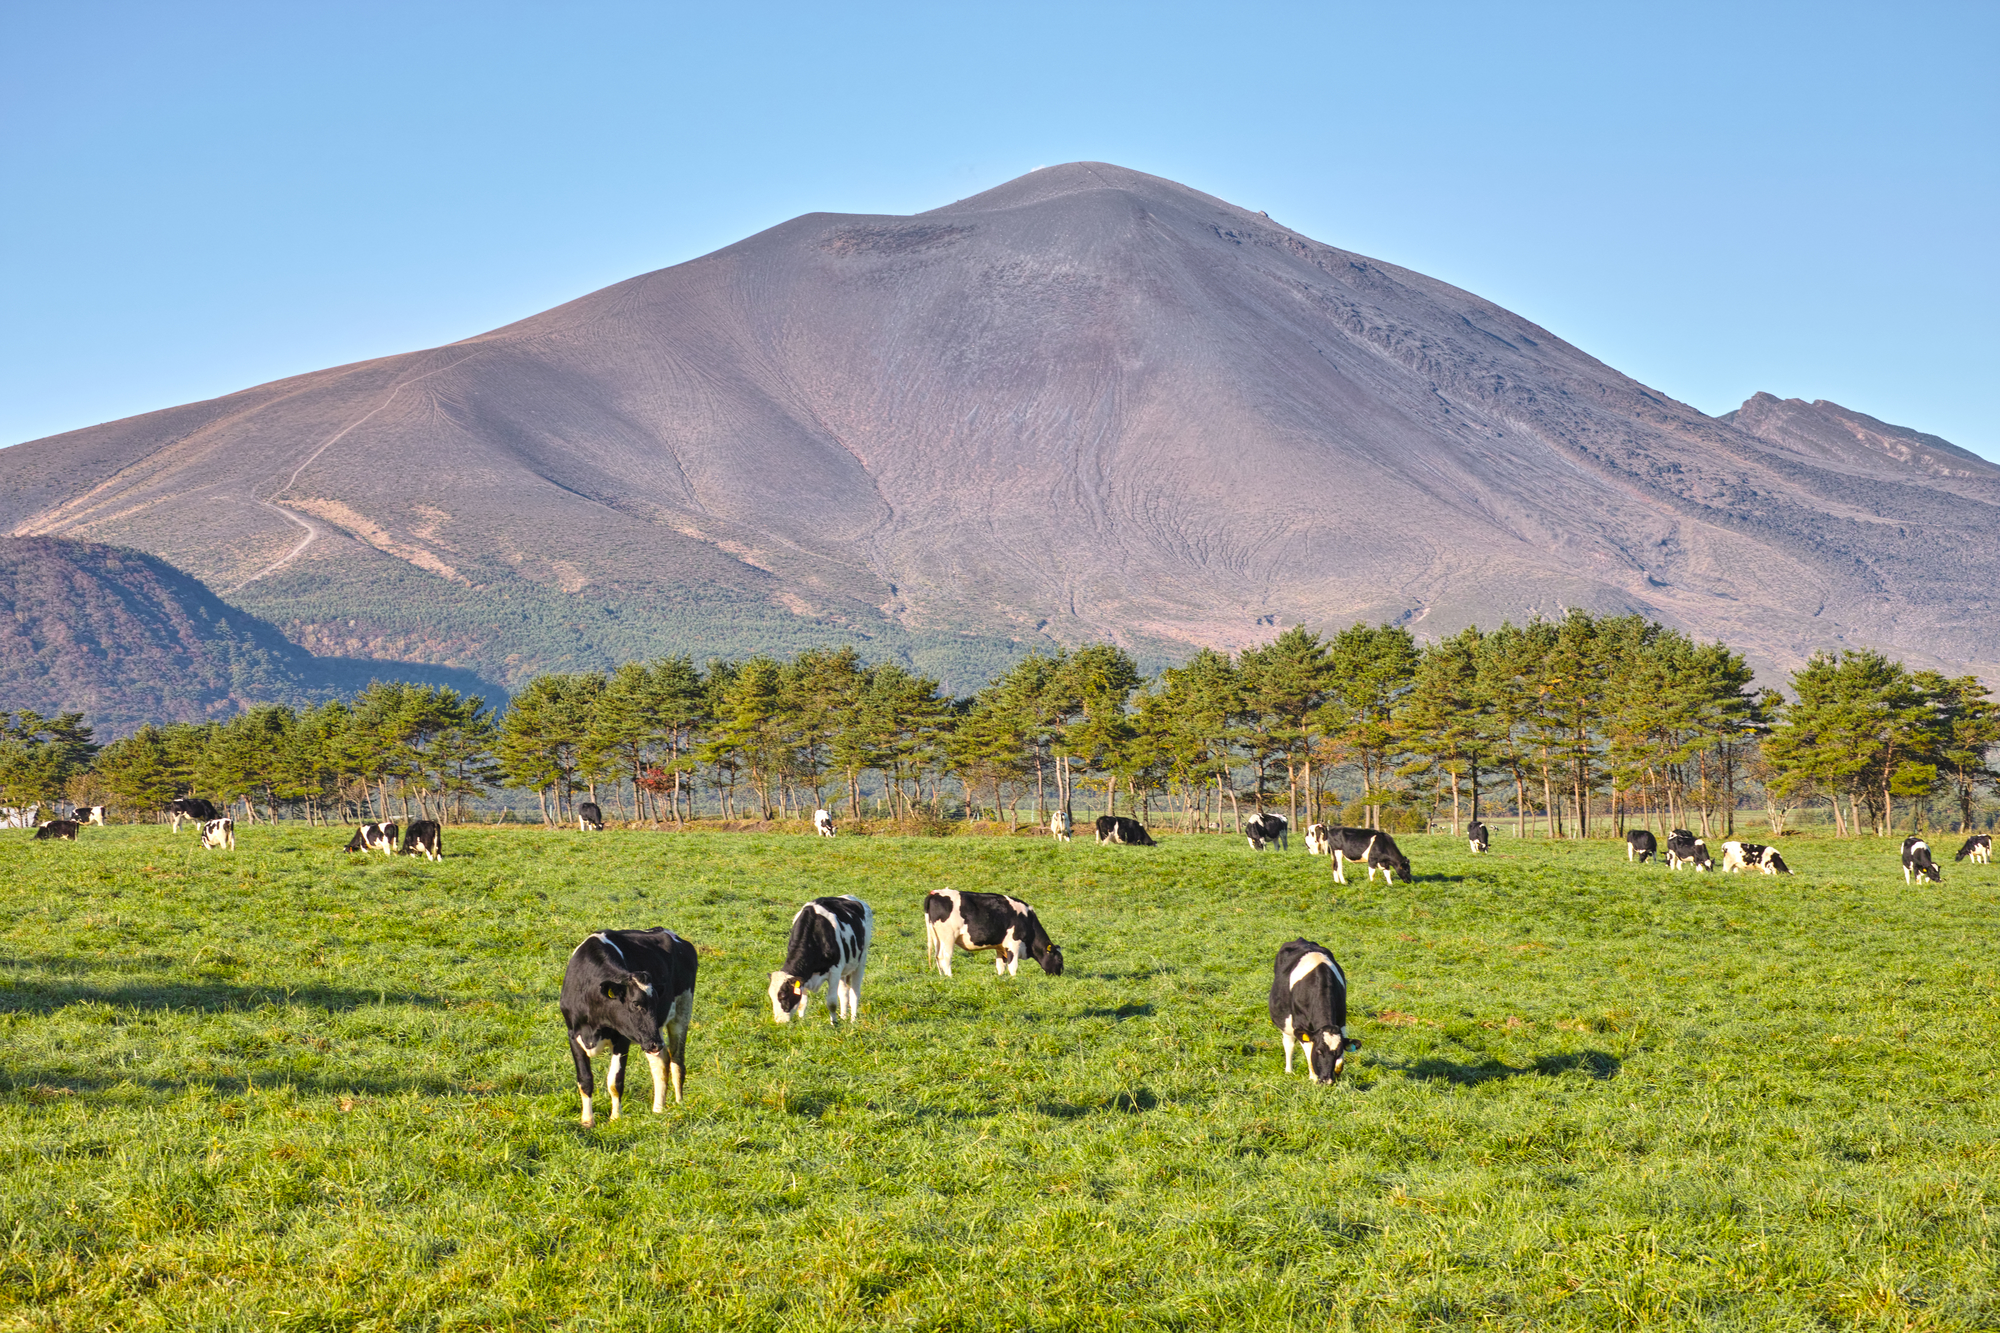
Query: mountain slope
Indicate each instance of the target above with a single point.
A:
(1087, 402)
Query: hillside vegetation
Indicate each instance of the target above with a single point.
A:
(288, 1088)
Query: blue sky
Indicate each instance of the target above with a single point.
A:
(1715, 199)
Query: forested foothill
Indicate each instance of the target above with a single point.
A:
(1572, 728)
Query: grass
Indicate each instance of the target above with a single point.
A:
(292, 1089)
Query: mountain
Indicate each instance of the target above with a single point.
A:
(1089, 402)
(125, 638)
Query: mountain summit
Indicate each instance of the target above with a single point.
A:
(1088, 402)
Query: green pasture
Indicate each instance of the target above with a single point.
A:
(293, 1089)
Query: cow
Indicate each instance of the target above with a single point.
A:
(1917, 863)
(1366, 847)
(589, 819)
(626, 986)
(828, 948)
(193, 809)
(1317, 843)
(1476, 833)
(823, 823)
(1641, 846)
(1119, 829)
(1060, 826)
(1684, 849)
(1266, 829)
(1979, 847)
(218, 834)
(92, 814)
(1740, 856)
(975, 921)
(424, 838)
(1309, 1006)
(374, 838)
(57, 828)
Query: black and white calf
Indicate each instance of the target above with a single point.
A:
(1917, 863)
(219, 834)
(424, 838)
(1979, 847)
(823, 823)
(1684, 849)
(1641, 846)
(627, 986)
(589, 819)
(1741, 856)
(1476, 834)
(192, 808)
(1059, 826)
(1317, 843)
(1309, 1005)
(374, 838)
(975, 921)
(1119, 829)
(91, 814)
(828, 948)
(1266, 829)
(1366, 847)
(66, 829)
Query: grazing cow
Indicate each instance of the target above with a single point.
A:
(1917, 863)
(374, 838)
(1370, 848)
(57, 828)
(975, 921)
(424, 838)
(589, 819)
(1641, 846)
(823, 823)
(1119, 829)
(626, 986)
(193, 809)
(1317, 843)
(1059, 825)
(92, 814)
(1266, 829)
(829, 944)
(1979, 847)
(1477, 835)
(1740, 856)
(1309, 1005)
(218, 833)
(1684, 849)
(16, 816)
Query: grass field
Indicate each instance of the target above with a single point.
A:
(291, 1089)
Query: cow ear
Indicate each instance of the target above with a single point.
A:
(613, 991)
(645, 979)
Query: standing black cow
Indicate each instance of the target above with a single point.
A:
(1117, 828)
(424, 838)
(1309, 1005)
(1917, 863)
(1268, 828)
(828, 948)
(1979, 847)
(374, 838)
(1684, 849)
(1476, 834)
(1641, 846)
(975, 921)
(191, 808)
(626, 986)
(65, 829)
(1370, 848)
(589, 819)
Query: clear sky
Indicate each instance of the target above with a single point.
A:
(1715, 199)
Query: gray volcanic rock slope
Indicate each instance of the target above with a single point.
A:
(1088, 402)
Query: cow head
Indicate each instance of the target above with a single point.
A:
(1043, 949)
(1397, 864)
(628, 1011)
(788, 996)
(1326, 1053)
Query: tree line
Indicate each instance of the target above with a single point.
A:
(1561, 727)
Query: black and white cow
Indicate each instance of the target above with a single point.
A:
(975, 921)
(1979, 847)
(91, 814)
(192, 808)
(66, 829)
(1366, 847)
(828, 952)
(1119, 829)
(1684, 849)
(589, 819)
(627, 986)
(1317, 843)
(1641, 846)
(218, 834)
(1060, 826)
(424, 838)
(374, 838)
(823, 823)
(1309, 1006)
(1269, 828)
(1476, 833)
(1740, 856)
(1917, 863)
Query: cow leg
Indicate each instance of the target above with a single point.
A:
(582, 1058)
(1339, 867)
(1000, 960)
(675, 1058)
(614, 1077)
(1288, 1045)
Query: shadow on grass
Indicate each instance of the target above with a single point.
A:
(1121, 1013)
(201, 996)
(1130, 1103)
(48, 1086)
(1591, 1064)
